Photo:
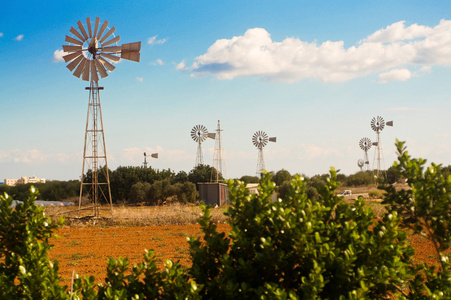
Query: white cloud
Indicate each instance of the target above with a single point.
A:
(388, 50)
(158, 62)
(23, 156)
(19, 37)
(58, 55)
(1, 34)
(153, 41)
(398, 32)
(181, 66)
(140, 79)
(395, 75)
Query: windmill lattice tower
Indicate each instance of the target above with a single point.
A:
(365, 145)
(378, 124)
(91, 54)
(260, 139)
(218, 157)
(199, 134)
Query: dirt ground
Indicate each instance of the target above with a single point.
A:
(86, 250)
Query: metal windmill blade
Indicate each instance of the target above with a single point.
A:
(260, 139)
(378, 123)
(365, 143)
(199, 133)
(91, 52)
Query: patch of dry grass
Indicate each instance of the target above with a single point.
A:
(127, 216)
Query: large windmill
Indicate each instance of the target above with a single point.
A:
(378, 124)
(260, 139)
(91, 53)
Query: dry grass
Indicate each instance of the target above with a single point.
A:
(126, 216)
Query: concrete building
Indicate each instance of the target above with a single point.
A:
(24, 180)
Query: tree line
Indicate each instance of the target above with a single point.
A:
(149, 186)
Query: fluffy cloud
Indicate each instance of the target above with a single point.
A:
(395, 75)
(388, 51)
(153, 41)
(58, 55)
(140, 79)
(181, 66)
(19, 37)
(1, 34)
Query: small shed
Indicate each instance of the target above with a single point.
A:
(213, 193)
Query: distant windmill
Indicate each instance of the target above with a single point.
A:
(91, 54)
(153, 155)
(378, 124)
(361, 163)
(199, 134)
(365, 145)
(260, 139)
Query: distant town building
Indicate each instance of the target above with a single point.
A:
(24, 180)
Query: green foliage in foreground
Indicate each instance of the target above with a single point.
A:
(296, 248)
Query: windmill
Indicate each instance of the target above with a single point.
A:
(153, 155)
(365, 145)
(199, 134)
(260, 139)
(361, 163)
(378, 124)
(91, 53)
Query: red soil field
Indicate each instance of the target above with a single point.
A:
(86, 250)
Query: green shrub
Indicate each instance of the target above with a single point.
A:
(299, 248)
(25, 270)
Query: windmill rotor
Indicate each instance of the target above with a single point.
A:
(360, 163)
(378, 123)
(90, 52)
(260, 139)
(199, 133)
(365, 144)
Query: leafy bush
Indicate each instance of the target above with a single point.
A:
(25, 270)
(298, 248)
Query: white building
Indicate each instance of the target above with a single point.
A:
(24, 180)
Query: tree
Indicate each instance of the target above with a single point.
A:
(281, 176)
(202, 173)
(249, 179)
(138, 192)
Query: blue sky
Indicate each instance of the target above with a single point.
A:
(311, 73)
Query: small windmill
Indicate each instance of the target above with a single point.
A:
(378, 124)
(365, 145)
(360, 164)
(199, 134)
(260, 139)
(91, 54)
(153, 155)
